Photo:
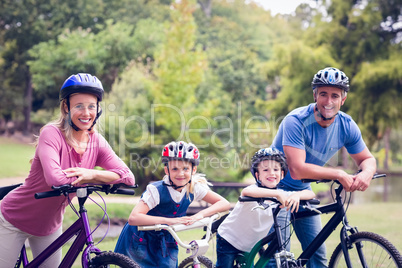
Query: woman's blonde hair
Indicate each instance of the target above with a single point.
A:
(62, 123)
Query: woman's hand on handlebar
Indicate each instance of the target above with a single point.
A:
(83, 175)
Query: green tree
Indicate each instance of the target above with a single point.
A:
(104, 54)
(24, 24)
(161, 101)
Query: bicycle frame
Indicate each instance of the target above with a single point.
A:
(196, 247)
(82, 229)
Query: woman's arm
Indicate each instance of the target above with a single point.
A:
(85, 175)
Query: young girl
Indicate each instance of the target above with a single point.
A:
(67, 151)
(166, 202)
(268, 166)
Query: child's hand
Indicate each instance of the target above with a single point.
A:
(292, 203)
(282, 198)
(187, 220)
(194, 218)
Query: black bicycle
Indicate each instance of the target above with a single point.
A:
(356, 249)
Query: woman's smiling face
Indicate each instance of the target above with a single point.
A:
(83, 108)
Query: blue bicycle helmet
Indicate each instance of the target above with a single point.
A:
(270, 153)
(82, 83)
(331, 77)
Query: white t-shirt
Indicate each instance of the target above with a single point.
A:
(243, 228)
(151, 195)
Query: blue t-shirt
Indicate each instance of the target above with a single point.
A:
(299, 129)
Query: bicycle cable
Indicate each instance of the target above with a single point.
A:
(103, 217)
(70, 203)
(289, 224)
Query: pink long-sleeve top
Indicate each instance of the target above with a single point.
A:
(41, 217)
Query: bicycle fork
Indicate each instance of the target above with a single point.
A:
(347, 244)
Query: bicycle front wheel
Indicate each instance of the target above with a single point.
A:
(112, 259)
(367, 250)
(189, 263)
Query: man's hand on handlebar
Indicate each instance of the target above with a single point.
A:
(361, 181)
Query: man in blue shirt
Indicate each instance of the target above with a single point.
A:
(309, 136)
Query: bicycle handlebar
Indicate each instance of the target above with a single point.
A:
(173, 229)
(262, 199)
(106, 188)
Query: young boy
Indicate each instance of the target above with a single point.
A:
(166, 202)
(268, 167)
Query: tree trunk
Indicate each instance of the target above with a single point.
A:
(28, 104)
(206, 6)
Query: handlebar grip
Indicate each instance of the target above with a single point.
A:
(313, 201)
(125, 192)
(47, 194)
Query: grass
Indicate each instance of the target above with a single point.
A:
(14, 158)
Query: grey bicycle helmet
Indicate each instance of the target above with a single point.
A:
(270, 153)
(331, 77)
(181, 151)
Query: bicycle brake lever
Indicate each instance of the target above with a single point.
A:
(261, 206)
(312, 209)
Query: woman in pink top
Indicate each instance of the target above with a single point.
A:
(67, 151)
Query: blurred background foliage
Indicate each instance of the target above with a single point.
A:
(218, 73)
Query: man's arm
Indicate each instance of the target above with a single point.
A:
(368, 166)
(299, 169)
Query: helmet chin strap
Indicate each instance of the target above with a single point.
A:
(174, 186)
(322, 117)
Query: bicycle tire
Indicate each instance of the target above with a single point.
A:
(188, 262)
(378, 252)
(112, 259)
